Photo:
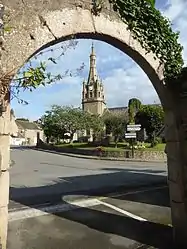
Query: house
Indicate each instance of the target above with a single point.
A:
(24, 132)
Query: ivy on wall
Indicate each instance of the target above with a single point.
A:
(154, 33)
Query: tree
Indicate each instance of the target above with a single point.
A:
(64, 119)
(151, 117)
(115, 124)
(152, 2)
(96, 124)
(133, 106)
(51, 127)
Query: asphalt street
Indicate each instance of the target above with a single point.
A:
(38, 176)
(62, 202)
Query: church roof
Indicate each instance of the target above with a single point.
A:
(118, 109)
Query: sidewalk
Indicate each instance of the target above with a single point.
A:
(120, 159)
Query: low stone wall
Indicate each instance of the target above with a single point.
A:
(138, 154)
(150, 155)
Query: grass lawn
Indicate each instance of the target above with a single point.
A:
(111, 147)
(159, 147)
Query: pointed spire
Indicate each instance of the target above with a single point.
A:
(92, 72)
(92, 50)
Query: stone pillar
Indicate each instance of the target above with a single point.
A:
(4, 171)
(177, 176)
(4, 145)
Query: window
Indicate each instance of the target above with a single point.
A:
(91, 95)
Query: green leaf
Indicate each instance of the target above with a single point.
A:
(154, 33)
(28, 74)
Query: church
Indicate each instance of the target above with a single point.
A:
(93, 96)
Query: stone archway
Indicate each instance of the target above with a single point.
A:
(39, 24)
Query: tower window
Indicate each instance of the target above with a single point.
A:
(91, 94)
(99, 94)
(86, 95)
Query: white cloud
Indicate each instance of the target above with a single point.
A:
(174, 9)
(125, 84)
(120, 86)
(177, 13)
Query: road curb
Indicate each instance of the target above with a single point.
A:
(101, 158)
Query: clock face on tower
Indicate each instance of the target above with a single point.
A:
(91, 88)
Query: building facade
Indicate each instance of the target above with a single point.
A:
(93, 94)
(24, 132)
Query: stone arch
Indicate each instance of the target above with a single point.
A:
(37, 25)
(55, 26)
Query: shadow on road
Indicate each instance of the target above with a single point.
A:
(22, 147)
(156, 235)
(87, 185)
(149, 233)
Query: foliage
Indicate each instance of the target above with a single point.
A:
(97, 6)
(95, 123)
(154, 33)
(115, 124)
(151, 117)
(155, 141)
(51, 127)
(152, 2)
(63, 120)
(133, 107)
(35, 73)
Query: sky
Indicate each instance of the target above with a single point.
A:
(122, 77)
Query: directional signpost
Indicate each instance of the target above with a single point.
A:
(136, 127)
(132, 134)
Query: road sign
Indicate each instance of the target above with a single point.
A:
(130, 135)
(136, 127)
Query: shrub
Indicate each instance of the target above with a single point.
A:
(156, 141)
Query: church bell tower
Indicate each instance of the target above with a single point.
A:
(93, 99)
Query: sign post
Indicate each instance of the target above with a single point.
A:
(132, 134)
(134, 127)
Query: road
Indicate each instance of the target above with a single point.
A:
(63, 202)
(50, 175)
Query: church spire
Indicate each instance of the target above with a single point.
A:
(93, 99)
(92, 50)
(93, 71)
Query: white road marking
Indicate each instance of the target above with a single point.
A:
(41, 210)
(34, 212)
(122, 211)
(135, 192)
